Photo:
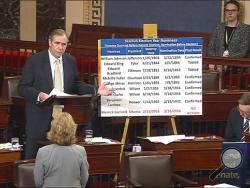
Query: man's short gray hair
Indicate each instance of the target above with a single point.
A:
(59, 32)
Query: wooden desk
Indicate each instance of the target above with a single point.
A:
(4, 118)
(189, 155)
(4, 112)
(7, 158)
(103, 158)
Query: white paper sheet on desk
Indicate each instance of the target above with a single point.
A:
(101, 140)
(166, 139)
(223, 185)
(5, 146)
(59, 93)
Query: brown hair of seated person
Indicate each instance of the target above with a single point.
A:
(245, 99)
(63, 130)
(236, 3)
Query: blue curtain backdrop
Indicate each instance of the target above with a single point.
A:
(175, 15)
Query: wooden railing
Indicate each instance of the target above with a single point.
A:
(229, 79)
(89, 34)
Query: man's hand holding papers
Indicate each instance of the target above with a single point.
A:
(59, 93)
(49, 98)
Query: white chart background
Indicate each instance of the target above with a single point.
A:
(150, 80)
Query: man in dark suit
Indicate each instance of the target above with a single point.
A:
(237, 126)
(238, 117)
(37, 82)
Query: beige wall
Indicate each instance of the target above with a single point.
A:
(74, 14)
(27, 20)
(247, 12)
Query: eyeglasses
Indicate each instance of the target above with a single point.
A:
(230, 10)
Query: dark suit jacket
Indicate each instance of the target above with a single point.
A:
(36, 78)
(234, 128)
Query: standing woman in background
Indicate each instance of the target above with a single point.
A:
(62, 163)
(230, 38)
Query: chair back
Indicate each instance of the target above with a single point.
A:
(9, 88)
(23, 173)
(12, 87)
(210, 81)
(1, 81)
(150, 170)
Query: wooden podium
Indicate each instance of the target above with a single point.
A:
(79, 106)
(7, 157)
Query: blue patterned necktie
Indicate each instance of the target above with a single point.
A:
(245, 129)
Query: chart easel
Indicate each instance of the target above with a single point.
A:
(149, 31)
(147, 54)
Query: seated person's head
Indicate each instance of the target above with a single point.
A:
(63, 129)
(244, 105)
(233, 2)
(231, 9)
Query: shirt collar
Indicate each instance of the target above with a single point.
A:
(52, 58)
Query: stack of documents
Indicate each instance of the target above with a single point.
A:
(9, 146)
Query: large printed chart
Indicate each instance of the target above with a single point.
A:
(151, 77)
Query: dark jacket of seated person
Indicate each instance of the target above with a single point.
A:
(239, 45)
(230, 38)
(238, 120)
(63, 163)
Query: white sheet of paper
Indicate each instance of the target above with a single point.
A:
(166, 139)
(5, 145)
(58, 93)
(224, 185)
(101, 140)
